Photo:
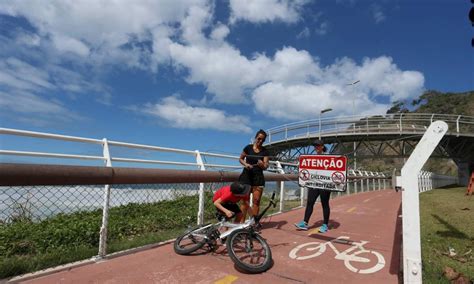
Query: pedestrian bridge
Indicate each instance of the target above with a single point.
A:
(376, 136)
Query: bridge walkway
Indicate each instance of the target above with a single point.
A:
(373, 217)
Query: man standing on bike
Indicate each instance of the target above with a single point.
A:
(226, 198)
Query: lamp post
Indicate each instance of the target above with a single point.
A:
(321, 112)
(353, 114)
(353, 98)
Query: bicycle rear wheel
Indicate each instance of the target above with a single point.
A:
(249, 251)
(192, 240)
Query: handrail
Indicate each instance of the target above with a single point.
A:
(49, 136)
(33, 174)
(345, 125)
(34, 134)
(18, 132)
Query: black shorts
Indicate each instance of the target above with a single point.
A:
(234, 207)
(254, 177)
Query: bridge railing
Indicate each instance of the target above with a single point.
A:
(401, 123)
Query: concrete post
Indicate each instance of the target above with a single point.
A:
(410, 201)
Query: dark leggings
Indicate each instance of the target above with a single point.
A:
(312, 196)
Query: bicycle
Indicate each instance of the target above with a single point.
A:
(247, 249)
(354, 254)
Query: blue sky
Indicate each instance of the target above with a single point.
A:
(208, 74)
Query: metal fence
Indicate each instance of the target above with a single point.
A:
(36, 203)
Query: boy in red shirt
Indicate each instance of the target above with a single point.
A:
(226, 198)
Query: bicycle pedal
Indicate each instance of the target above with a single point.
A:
(212, 246)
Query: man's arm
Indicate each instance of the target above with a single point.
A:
(219, 206)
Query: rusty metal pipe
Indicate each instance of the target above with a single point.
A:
(35, 174)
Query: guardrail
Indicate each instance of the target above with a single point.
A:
(400, 123)
(106, 157)
(429, 180)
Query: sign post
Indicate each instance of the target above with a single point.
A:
(328, 172)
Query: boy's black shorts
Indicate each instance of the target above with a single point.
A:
(234, 207)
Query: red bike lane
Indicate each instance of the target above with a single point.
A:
(362, 246)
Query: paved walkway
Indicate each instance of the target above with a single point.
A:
(369, 219)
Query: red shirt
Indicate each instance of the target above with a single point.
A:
(226, 195)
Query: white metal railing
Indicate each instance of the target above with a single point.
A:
(103, 142)
(404, 123)
(429, 180)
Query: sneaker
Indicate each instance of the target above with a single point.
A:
(302, 225)
(323, 229)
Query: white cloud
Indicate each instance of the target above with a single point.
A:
(378, 77)
(229, 75)
(29, 105)
(29, 90)
(377, 13)
(17, 74)
(292, 66)
(266, 10)
(220, 32)
(304, 101)
(28, 39)
(322, 29)
(382, 77)
(305, 33)
(223, 70)
(178, 113)
(103, 28)
(288, 84)
(69, 44)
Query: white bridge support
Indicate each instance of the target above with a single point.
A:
(411, 203)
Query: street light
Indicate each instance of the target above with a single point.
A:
(321, 112)
(353, 98)
(353, 114)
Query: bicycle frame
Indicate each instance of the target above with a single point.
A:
(233, 226)
(239, 238)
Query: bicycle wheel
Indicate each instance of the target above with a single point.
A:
(192, 240)
(249, 251)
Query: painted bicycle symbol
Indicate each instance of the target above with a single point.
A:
(353, 257)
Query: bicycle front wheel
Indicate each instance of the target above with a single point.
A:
(249, 251)
(192, 240)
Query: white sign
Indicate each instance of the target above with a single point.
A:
(327, 172)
